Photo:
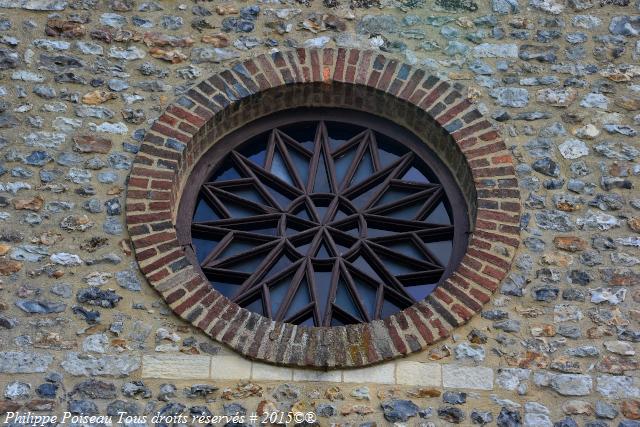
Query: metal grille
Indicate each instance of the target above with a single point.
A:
(323, 217)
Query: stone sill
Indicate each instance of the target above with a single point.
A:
(230, 367)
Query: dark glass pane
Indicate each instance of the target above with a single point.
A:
(339, 133)
(250, 194)
(368, 295)
(407, 211)
(420, 292)
(414, 175)
(307, 322)
(405, 247)
(388, 308)
(238, 210)
(303, 132)
(225, 172)
(352, 231)
(364, 170)
(378, 232)
(256, 306)
(361, 201)
(304, 247)
(341, 214)
(439, 215)
(322, 288)
(441, 250)
(225, 288)
(302, 213)
(389, 151)
(203, 247)
(394, 194)
(267, 231)
(259, 157)
(342, 248)
(322, 206)
(255, 149)
(301, 164)
(321, 184)
(282, 200)
(323, 252)
(277, 293)
(345, 301)
(248, 265)
(396, 267)
(235, 247)
(361, 264)
(336, 322)
(300, 300)
(279, 168)
(343, 162)
(282, 263)
(204, 212)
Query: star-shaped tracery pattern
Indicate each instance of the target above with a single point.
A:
(323, 224)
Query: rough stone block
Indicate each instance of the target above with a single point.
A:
(420, 374)
(176, 366)
(379, 374)
(262, 371)
(467, 377)
(230, 367)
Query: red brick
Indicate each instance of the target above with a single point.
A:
(339, 68)
(461, 311)
(192, 299)
(145, 218)
(498, 216)
(395, 338)
(170, 132)
(452, 112)
(420, 326)
(470, 130)
(159, 275)
(434, 95)
(493, 237)
(153, 239)
(137, 182)
(363, 67)
(186, 115)
(175, 296)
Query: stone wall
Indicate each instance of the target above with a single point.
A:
(81, 329)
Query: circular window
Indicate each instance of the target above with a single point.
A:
(323, 217)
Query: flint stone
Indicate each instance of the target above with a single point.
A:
(510, 96)
(94, 389)
(537, 420)
(399, 410)
(377, 24)
(625, 25)
(554, 220)
(565, 384)
(554, 7)
(617, 387)
(17, 362)
(529, 52)
(201, 55)
(78, 364)
(617, 150)
(17, 390)
(9, 58)
(128, 279)
(40, 307)
(573, 149)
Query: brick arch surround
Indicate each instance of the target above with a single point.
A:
(350, 78)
